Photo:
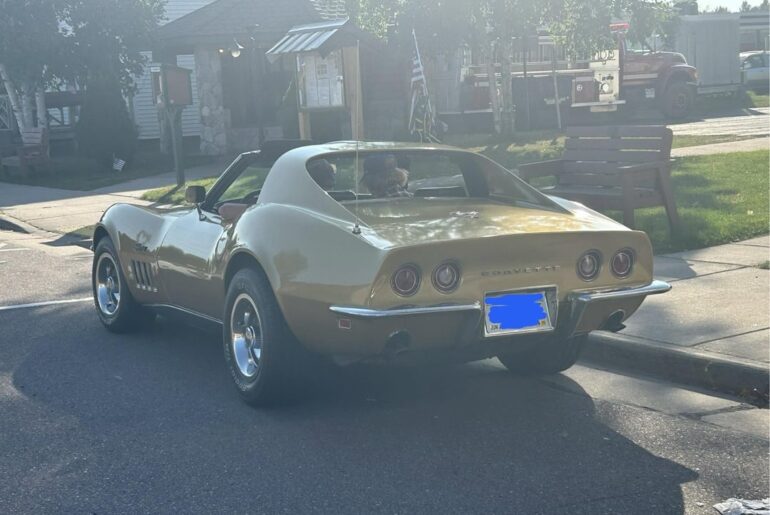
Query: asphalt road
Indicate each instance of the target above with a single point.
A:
(92, 422)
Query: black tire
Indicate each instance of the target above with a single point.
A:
(276, 368)
(127, 315)
(678, 100)
(550, 356)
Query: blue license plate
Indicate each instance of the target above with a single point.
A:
(508, 313)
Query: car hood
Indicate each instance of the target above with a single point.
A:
(411, 221)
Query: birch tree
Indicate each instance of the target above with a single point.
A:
(30, 44)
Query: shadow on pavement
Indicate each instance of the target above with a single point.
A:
(150, 422)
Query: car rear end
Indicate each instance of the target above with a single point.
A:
(480, 293)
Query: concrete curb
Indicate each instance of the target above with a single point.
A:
(9, 223)
(683, 365)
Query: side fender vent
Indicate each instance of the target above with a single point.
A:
(144, 275)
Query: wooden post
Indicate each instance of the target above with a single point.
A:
(353, 94)
(493, 98)
(525, 53)
(304, 124)
(555, 86)
(174, 116)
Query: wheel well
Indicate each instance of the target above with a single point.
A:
(99, 233)
(238, 262)
(677, 76)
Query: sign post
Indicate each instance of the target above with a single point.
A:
(172, 90)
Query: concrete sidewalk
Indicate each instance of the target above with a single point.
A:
(63, 211)
(713, 326)
(746, 145)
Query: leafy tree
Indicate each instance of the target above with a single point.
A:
(746, 7)
(106, 38)
(684, 7)
(30, 50)
(374, 16)
(105, 130)
(44, 42)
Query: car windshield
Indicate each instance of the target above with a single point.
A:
(418, 174)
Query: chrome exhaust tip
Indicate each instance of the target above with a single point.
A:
(614, 322)
(398, 343)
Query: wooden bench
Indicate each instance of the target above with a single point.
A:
(617, 168)
(33, 151)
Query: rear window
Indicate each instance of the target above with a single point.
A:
(421, 174)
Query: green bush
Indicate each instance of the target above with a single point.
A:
(105, 130)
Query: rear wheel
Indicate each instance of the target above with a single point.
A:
(547, 357)
(116, 307)
(260, 351)
(678, 99)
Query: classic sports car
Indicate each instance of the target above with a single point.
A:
(463, 259)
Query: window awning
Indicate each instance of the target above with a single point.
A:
(317, 37)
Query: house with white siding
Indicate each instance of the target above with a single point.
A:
(141, 104)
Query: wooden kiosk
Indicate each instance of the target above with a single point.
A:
(328, 74)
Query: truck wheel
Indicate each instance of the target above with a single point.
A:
(260, 351)
(678, 100)
(547, 357)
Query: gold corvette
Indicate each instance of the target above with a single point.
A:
(454, 255)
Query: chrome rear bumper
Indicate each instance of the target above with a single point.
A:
(400, 312)
(577, 303)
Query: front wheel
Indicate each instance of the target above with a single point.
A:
(547, 357)
(678, 100)
(260, 351)
(116, 307)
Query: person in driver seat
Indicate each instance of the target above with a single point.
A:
(383, 178)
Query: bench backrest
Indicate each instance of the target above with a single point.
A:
(593, 155)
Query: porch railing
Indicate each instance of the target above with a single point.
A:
(7, 121)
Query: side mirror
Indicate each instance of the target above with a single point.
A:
(195, 194)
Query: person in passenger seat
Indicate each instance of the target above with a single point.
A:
(383, 178)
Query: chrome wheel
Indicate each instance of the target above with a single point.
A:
(246, 335)
(107, 285)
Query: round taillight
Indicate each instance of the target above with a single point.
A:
(622, 263)
(406, 280)
(589, 264)
(446, 277)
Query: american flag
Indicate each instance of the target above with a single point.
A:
(422, 119)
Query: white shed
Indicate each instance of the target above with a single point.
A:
(711, 43)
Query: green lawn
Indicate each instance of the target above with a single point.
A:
(83, 174)
(542, 145)
(721, 198)
(758, 99)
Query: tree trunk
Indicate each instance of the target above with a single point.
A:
(13, 96)
(40, 106)
(493, 94)
(26, 106)
(506, 88)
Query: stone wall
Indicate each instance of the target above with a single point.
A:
(214, 117)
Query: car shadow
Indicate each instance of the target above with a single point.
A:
(152, 420)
